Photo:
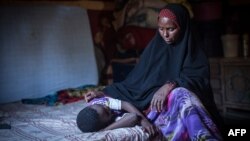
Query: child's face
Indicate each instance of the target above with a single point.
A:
(104, 112)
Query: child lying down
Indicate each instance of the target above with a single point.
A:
(106, 113)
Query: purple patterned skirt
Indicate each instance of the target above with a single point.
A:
(185, 118)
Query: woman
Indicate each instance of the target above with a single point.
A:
(172, 68)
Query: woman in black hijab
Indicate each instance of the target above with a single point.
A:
(172, 60)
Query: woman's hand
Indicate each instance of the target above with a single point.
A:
(92, 94)
(160, 97)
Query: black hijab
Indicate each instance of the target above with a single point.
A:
(183, 62)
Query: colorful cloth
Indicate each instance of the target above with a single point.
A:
(185, 118)
(64, 96)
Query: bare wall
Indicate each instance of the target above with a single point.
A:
(44, 49)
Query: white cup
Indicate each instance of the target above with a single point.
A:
(230, 44)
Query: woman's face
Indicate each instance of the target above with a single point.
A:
(168, 30)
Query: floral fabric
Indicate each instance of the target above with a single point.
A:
(185, 118)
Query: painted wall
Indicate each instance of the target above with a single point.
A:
(44, 49)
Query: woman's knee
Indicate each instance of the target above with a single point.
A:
(179, 90)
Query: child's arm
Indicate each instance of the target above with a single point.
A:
(128, 120)
(149, 127)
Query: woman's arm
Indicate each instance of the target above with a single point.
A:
(92, 94)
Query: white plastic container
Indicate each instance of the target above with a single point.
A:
(230, 44)
(245, 44)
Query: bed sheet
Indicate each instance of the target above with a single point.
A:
(55, 123)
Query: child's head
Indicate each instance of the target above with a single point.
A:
(94, 118)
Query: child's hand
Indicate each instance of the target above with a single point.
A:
(92, 94)
(151, 129)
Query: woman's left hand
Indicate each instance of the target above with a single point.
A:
(92, 94)
(160, 97)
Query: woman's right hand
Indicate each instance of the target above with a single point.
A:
(92, 94)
